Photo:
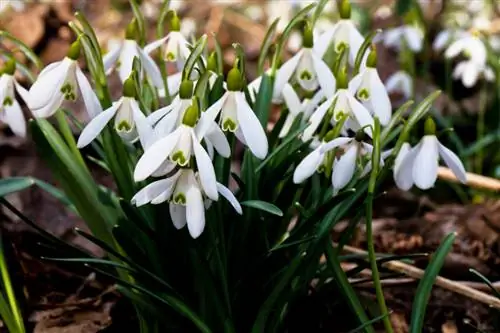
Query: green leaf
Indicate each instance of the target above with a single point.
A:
(25, 49)
(424, 288)
(220, 57)
(198, 49)
(16, 184)
(486, 281)
(264, 206)
(263, 101)
(267, 42)
(362, 50)
(141, 25)
(369, 322)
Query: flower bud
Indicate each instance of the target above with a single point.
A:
(186, 89)
(191, 114)
(429, 127)
(131, 30)
(212, 62)
(175, 23)
(9, 67)
(342, 79)
(344, 7)
(307, 36)
(371, 61)
(74, 50)
(360, 135)
(129, 87)
(330, 135)
(234, 81)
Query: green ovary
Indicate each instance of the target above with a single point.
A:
(179, 158)
(229, 125)
(363, 94)
(180, 199)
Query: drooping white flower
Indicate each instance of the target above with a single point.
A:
(409, 35)
(185, 192)
(307, 68)
(177, 47)
(469, 71)
(237, 117)
(10, 110)
(178, 147)
(471, 46)
(400, 82)
(445, 37)
(61, 81)
(369, 89)
(344, 104)
(130, 123)
(122, 54)
(419, 165)
(344, 35)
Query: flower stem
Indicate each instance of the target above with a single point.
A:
(67, 134)
(480, 127)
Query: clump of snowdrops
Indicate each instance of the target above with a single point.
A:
(195, 240)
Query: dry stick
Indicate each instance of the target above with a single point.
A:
(442, 282)
(473, 180)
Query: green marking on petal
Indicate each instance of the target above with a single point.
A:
(123, 126)
(321, 168)
(180, 199)
(179, 158)
(363, 94)
(340, 47)
(229, 124)
(171, 56)
(339, 115)
(8, 101)
(306, 75)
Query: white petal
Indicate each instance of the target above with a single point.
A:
(361, 114)
(205, 170)
(144, 128)
(151, 69)
(453, 162)
(316, 118)
(455, 48)
(470, 74)
(290, 118)
(219, 141)
(47, 69)
(405, 149)
(157, 115)
(195, 212)
(325, 77)
(208, 117)
(337, 142)
(49, 109)
(178, 215)
(110, 58)
(153, 190)
(285, 73)
(379, 99)
(414, 38)
(15, 119)
(310, 105)
(344, 168)
(251, 128)
(403, 174)
(129, 51)
(307, 166)
(226, 193)
(155, 155)
(174, 83)
(47, 87)
(292, 99)
(392, 37)
(155, 44)
(355, 83)
(22, 92)
(442, 38)
(425, 165)
(89, 97)
(97, 124)
(324, 41)
(165, 168)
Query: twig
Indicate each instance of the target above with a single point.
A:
(442, 282)
(473, 180)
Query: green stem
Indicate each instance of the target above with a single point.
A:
(480, 126)
(67, 134)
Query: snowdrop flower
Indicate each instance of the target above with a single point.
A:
(237, 116)
(185, 193)
(369, 89)
(307, 68)
(400, 82)
(398, 37)
(10, 110)
(471, 46)
(344, 35)
(419, 165)
(444, 37)
(130, 123)
(122, 55)
(469, 71)
(61, 81)
(344, 104)
(178, 147)
(177, 47)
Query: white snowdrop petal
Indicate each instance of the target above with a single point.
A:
(326, 79)
(290, 118)
(47, 87)
(152, 190)
(97, 124)
(47, 69)
(403, 174)
(226, 193)
(425, 165)
(195, 212)
(144, 128)
(15, 119)
(157, 115)
(337, 142)
(392, 37)
(165, 168)
(361, 114)
(110, 58)
(355, 83)
(174, 83)
(307, 167)
(442, 38)
(155, 155)
(344, 168)
(205, 170)
(251, 128)
(151, 69)
(414, 38)
(129, 51)
(324, 41)
(22, 92)
(178, 215)
(455, 48)
(292, 100)
(380, 99)
(405, 149)
(50, 108)
(285, 72)
(470, 74)
(155, 44)
(89, 97)
(453, 162)
(208, 117)
(316, 118)
(219, 141)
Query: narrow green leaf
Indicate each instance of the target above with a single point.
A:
(28, 52)
(362, 50)
(370, 322)
(198, 49)
(141, 25)
(264, 206)
(15, 184)
(264, 98)
(267, 42)
(486, 281)
(424, 288)
(220, 56)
